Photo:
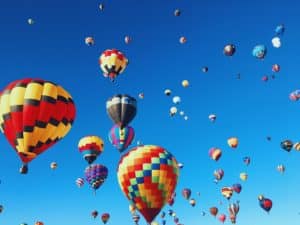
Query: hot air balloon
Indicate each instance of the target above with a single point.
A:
(185, 117)
(227, 192)
(229, 50)
(233, 142)
(180, 165)
(127, 39)
(168, 92)
(39, 223)
(247, 160)
(275, 68)
(205, 69)
(276, 42)
(121, 138)
(243, 176)
(121, 109)
(30, 21)
(136, 218)
(53, 165)
(182, 40)
(1, 208)
(154, 223)
(79, 182)
(192, 202)
(101, 6)
(105, 217)
(218, 174)
(163, 222)
(170, 212)
(95, 175)
(234, 208)
(259, 51)
(222, 217)
(35, 114)
(185, 83)
(296, 146)
(213, 211)
(186, 193)
(279, 30)
(132, 208)
(163, 214)
(265, 203)
(212, 117)
(23, 224)
(90, 147)
(176, 99)
(112, 63)
(177, 12)
(237, 188)
(215, 153)
(94, 214)
(265, 78)
(89, 41)
(286, 145)
(281, 168)
(141, 95)
(148, 176)
(173, 111)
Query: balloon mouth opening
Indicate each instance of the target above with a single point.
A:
(29, 155)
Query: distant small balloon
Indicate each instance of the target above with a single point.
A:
(185, 83)
(30, 21)
(141, 96)
(89, 41)
(53, 165)
(176, 100)
(181, 113)
(182, 40)
(205, 69)
(276, 42)
(259, 51)
(265, 78)
(281, 168)
(229, 50)
(127, 39)
(243, 176)
(177, 12)
(286, 145)
(186, 117)
(173, 111)
(212, 117)
(101, 6)
(168, 92)
(275, 68)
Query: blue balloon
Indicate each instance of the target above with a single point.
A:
(279, 30)
(259, 51)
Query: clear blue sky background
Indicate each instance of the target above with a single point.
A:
(54, 49)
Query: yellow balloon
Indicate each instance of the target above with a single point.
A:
(244, 176)
(185, 83)
(233, 142)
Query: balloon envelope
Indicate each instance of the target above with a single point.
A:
(148, 176)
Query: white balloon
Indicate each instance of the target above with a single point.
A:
(176, 100)
(173, 110)
(276, 42)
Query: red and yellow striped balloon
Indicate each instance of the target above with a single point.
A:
(148, 177)
(34, 115)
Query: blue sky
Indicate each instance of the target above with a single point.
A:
(54, 49)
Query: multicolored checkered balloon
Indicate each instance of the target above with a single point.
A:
(96, 174)
(148, 177)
